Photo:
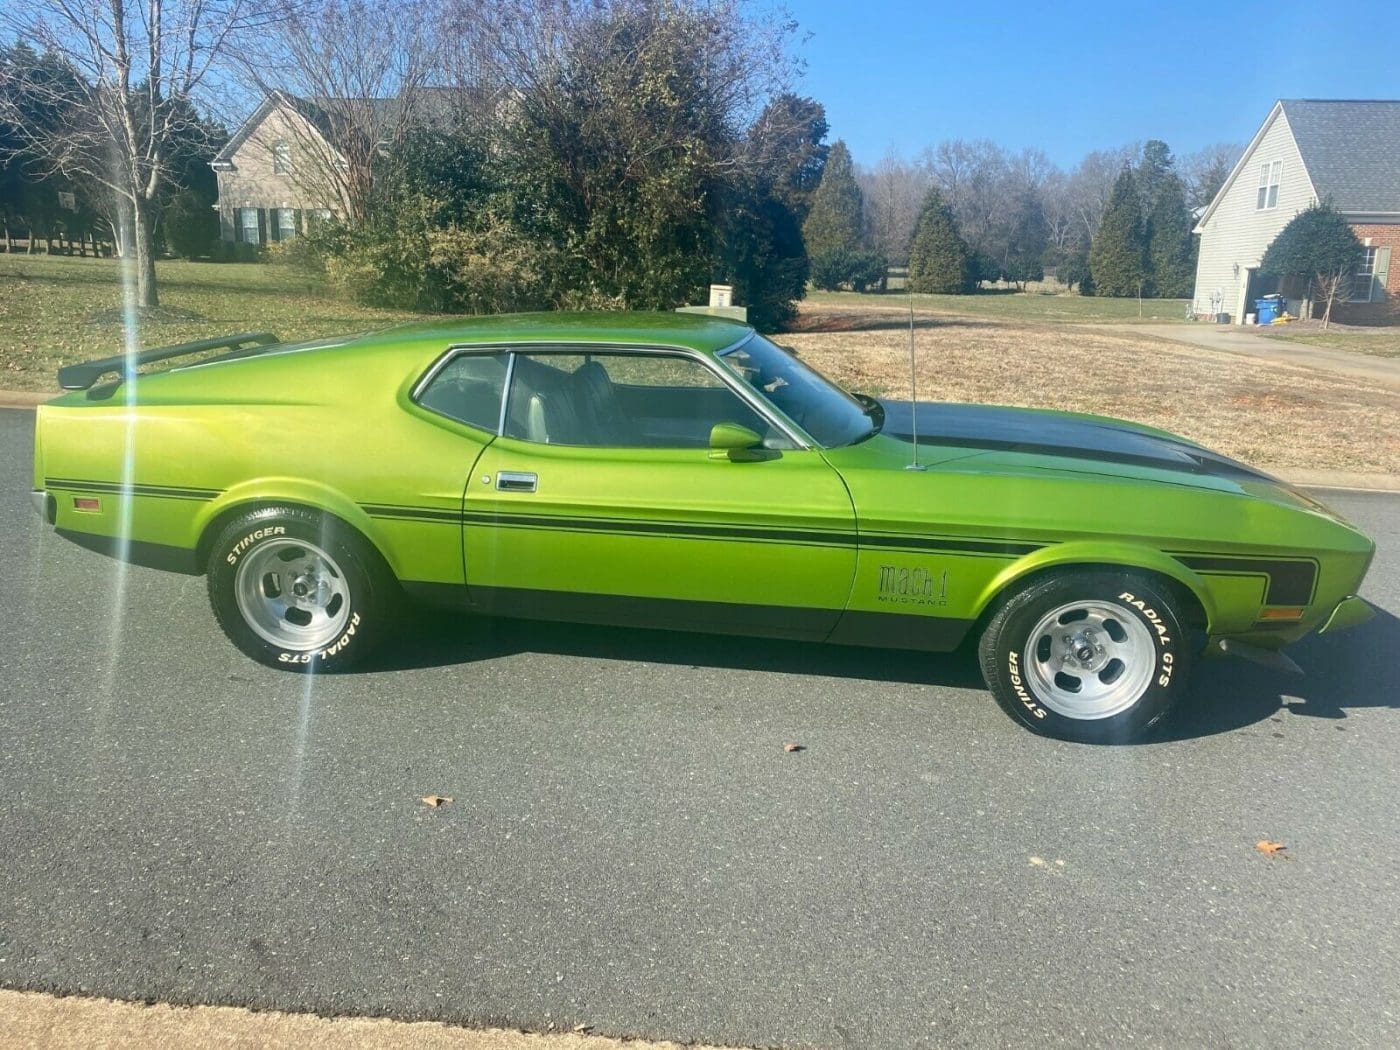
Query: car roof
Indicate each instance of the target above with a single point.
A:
(699, 332)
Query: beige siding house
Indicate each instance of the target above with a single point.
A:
(1307, 151)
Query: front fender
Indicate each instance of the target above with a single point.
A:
(1097, 554)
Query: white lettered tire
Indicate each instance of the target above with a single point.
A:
(1092, 655)
(299, 590)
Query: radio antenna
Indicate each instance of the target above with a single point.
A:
(913, 381)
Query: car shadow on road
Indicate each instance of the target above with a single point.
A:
(432, 638)
(1350, 670)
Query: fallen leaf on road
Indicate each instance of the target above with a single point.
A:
(1270, 849)
(793, 747)
(436, 800)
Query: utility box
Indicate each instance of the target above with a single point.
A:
(721, 305)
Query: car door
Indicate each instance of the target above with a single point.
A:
(602, 501)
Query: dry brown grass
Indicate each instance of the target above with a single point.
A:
(1270, 415)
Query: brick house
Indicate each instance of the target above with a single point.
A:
(283, 168)
(1308, 150)
(271, 174)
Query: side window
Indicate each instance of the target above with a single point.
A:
(617, 400)
(469, 389)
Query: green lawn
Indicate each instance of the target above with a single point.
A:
(1014, 306)
(56, 310)
(1379, 342)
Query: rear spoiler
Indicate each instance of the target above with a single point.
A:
(82, 376)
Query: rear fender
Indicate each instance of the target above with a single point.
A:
(299, 491)
(1097, 554)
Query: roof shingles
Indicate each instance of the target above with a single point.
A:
(1352, 151)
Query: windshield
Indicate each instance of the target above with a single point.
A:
(830, 415)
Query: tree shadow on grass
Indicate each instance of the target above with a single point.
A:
(1350, 670)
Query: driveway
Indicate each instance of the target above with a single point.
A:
(1232, 339)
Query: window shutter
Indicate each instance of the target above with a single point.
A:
(262, 225)
(1382, 277)
(237, 225)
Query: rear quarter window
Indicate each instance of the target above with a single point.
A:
(468, 389)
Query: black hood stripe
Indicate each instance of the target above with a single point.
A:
(990, 428)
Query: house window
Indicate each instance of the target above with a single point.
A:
(281, 157)
(286, 223)
(1364, 279)
(1270, 175)
(248, 222)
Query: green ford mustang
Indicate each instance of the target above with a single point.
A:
(684, 472)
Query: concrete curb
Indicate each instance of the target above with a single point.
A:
(35, 1019)
(24, 398)
(1303, 478)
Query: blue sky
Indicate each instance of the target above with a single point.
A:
(1070, 77)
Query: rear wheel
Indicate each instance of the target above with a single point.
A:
(299, 590)
(1093, 656)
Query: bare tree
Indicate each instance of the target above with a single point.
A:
(1091, 183)
(350, 82)
(893, 191)
(1206, 170)
(134, 64)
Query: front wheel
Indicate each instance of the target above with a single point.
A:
(299, 590)
(1097, 657)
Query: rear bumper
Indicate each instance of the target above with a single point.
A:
(43, 505)
(1350, 612)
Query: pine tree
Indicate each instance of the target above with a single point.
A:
(832, 229)
(1118, 256)
(939, 260)
(1156, 166)
(1171, 249)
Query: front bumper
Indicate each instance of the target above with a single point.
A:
(43, 505)
(1350, 612)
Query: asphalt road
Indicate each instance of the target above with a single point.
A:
(630, 846)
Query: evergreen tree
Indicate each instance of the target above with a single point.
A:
(1026, 242)
(1074, 270)
(1153, 171)
(1118, 255)
(1320, 246)
(786, 144)
(832, 229)
(1171, 248)
(939, 259)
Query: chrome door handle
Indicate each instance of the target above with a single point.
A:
(515, 481)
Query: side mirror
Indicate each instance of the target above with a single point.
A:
(734, 442)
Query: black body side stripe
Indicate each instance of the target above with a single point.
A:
(748, 532)
(1292, 581)
(377, 510)
(936, 543)
(117, 488)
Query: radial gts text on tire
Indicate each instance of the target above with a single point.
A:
(299, 590)
(1093, 656)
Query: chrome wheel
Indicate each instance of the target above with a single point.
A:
(1089, 659)
(292, 594)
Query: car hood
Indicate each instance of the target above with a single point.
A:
(1064, 435)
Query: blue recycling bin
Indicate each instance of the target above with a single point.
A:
(1267, 310)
